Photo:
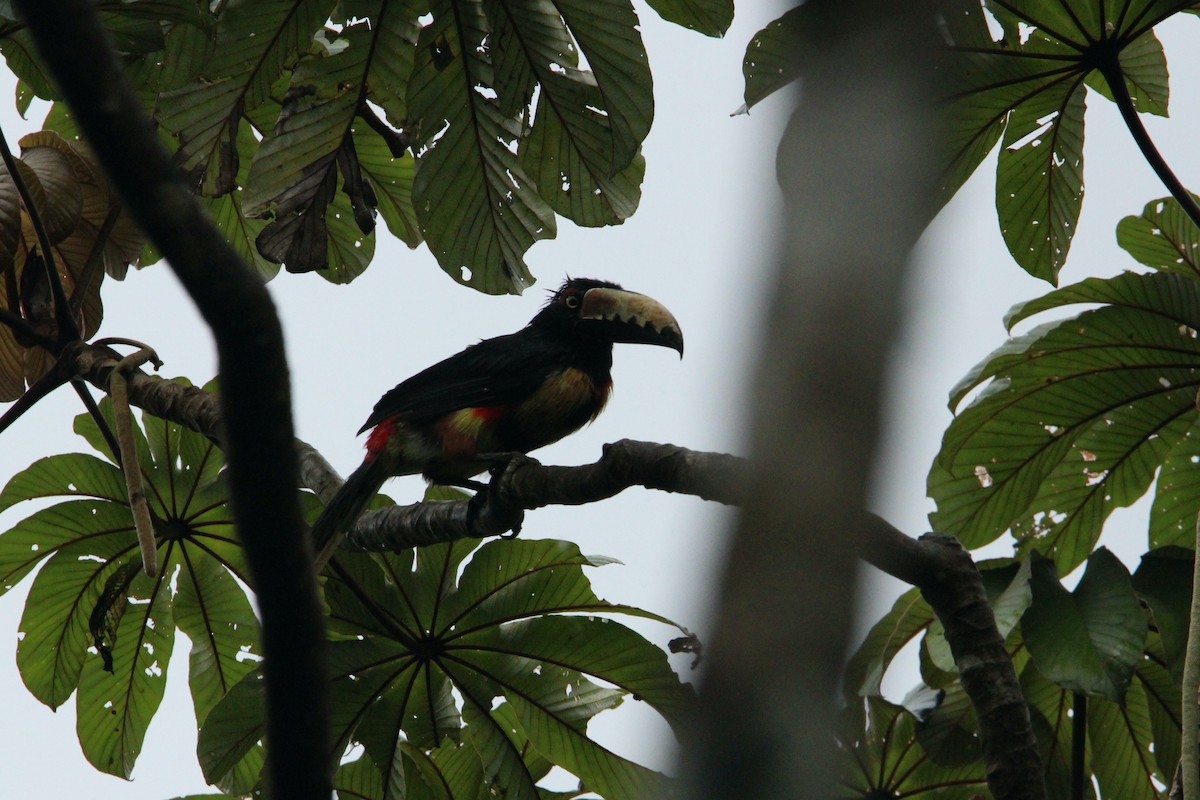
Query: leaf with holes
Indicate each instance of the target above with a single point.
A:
(1027, 85)
(773, 56)
(416, 633)
(1074, 420)
(254, 43)
(478, 209)
(1162, 237)
(93, 621)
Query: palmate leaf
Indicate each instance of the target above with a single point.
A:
(88, 591)
(1076, 420)
(1050, 712)
(883, 759)
(1120, 736)
(1028, 86)
(417, 632)
(296, 170)
(253, 44)
(479, 210)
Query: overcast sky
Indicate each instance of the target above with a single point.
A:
(701, 243)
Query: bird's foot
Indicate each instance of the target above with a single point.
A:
(490, 508)
(465, 483)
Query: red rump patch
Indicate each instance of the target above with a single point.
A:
(378, 439)
(490, 413)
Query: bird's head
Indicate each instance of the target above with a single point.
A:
(604, 311)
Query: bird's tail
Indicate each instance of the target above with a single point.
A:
(350, 501)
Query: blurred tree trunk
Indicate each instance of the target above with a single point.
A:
(853, 165)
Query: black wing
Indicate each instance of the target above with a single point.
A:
(494, 372)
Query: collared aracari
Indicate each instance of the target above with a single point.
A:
(513, 393)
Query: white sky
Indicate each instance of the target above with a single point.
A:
(700, 243)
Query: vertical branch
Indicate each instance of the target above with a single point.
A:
(255, 395)
(856, 192)
(1189, 749)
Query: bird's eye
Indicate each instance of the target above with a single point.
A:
(572, 302)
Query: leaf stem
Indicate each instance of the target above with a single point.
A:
(93, 409)
(1078, 746)
(1110, 68)
(42, 387)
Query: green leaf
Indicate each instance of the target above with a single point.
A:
(503, 767)
(295, 172)
(232, 730)
(1163, 237)
(54, 627)
(539, 706)
(1144, 66)
(883, 759)
(392, 179)
(910, 615)
(215, 614)
(229, 211)
(1089, 640)
(114, 709)
(1027, 86)
(359, 779)
(1164, 583)
(350, 250)
(1164, 702)
(1039, 180)
(1051, 715)
(479, 210)
(424, 632)
(710, 17)
(596, 646)
(1120, 737)
(948, 733)
(87, 626)
(773, 56)
(253, 45)
(1077, 419)
(608, 34)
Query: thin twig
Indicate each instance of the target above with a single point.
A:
(20, 326)
(143, 523)
(93, 409)
(41, 387)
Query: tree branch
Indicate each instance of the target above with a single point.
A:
(938, 565)
(255, 396)
(951, 584)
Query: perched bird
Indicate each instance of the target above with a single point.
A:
(513, 393)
